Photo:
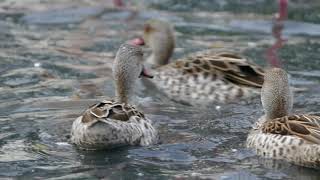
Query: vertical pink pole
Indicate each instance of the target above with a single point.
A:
(118, 3)
(271, 53)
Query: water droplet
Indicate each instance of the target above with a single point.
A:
(63, 144)
(37, 64)
(234, 150)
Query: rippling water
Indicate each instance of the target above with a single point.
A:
(55, 61)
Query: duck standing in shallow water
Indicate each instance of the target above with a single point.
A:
(115, 123)
(201, 78)
(279, 134)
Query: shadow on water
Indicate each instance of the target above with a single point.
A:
(55, 60)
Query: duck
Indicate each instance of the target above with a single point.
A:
(200, 78)
(115, 123)
(280, 134)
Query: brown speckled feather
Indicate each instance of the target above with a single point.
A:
(109, 124)
(230, 67)
(306, 127)
(207, 77)
(112, 110)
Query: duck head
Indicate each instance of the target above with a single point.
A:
(159, 36)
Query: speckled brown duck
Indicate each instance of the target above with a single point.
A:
(114, 123)
(201, 78)
(282, 135)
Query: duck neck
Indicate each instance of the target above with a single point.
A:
(276, 99)
(123, 91)
(124, 82)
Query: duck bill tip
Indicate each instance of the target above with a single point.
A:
(137, 41)
(145, 73)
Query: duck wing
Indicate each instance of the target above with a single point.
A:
(306, 127)
(237, 69)
(110, 110)
(227, 66)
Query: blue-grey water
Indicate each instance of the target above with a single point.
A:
(55, 59)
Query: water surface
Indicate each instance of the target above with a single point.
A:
(55, 60)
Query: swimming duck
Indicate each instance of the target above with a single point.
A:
(282, 135)
(114, 123)
(200, 78)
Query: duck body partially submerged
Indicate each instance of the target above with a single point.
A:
(209, 78)
(115, 123)
(201, 78)
(279, 134)
(108, 124)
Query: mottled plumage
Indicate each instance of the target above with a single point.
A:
(200, 78)
(109, 124)
(115, 123)
(206, 78)
(280, 135)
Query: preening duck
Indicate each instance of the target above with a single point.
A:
(279, 134)
(114, 123)
(200, 78)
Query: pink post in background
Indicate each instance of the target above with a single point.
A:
(281, 16)
(118, 3)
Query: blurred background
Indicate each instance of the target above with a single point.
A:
(55, 60)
